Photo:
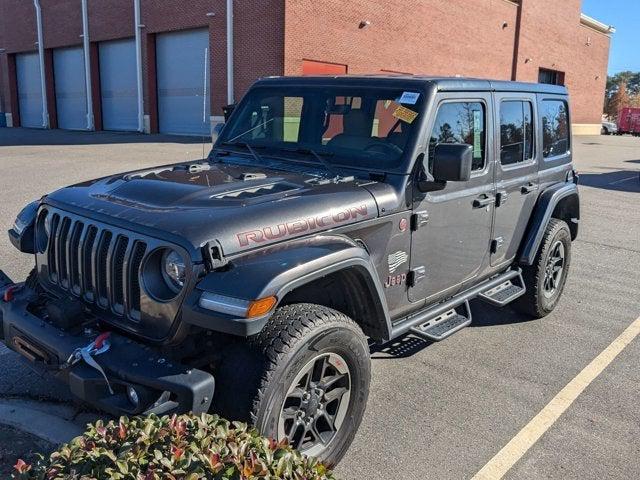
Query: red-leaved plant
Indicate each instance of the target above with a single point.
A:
(184, 447)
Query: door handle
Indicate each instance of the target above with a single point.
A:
(483, 201)
(528, 188)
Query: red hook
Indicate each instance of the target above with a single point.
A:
(100, 339)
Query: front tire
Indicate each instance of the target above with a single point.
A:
(307, 379)
(546, 278)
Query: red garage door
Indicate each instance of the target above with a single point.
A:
(311, 67)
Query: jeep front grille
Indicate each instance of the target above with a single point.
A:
(96, 263)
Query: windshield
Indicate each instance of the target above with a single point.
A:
(356, 127)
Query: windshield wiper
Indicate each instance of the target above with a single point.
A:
(248, 147)
(323, 161)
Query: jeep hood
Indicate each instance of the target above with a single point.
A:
(240, 206)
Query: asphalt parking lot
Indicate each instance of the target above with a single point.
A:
(435, 410)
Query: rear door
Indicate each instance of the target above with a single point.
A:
(452, 227)
(516, 172)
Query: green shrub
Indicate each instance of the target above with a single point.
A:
(184, 447)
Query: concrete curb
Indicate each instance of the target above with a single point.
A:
(48, 427)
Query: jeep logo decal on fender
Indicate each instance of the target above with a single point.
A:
(281, 230)
(395, 280)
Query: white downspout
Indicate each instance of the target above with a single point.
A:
(43, 83)
(138, 26)
(230, 96)
(87, 65)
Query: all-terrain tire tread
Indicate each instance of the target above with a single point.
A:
(530, 302)
(288, 326)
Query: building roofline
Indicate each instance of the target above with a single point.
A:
(597, 25)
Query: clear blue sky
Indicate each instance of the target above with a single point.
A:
(625, 43)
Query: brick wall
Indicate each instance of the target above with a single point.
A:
(4, 80)
(17, 34)
(259, 37)
(579, 51)
(416, 36)
(438, 37)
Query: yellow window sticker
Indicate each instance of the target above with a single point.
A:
(405, 114)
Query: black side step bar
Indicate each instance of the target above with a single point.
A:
(435, 311)
(504, 293)
(445, 325)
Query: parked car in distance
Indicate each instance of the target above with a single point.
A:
(609, 128)
(331, 213)
(629, 121)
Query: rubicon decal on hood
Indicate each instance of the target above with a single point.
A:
(297, 227)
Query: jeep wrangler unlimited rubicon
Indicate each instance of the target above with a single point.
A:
(331, 212)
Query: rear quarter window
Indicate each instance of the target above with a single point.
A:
(555, 128)
(516, 132)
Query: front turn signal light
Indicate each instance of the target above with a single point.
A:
(257, 308)
(237, 307)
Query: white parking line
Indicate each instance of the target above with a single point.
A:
(513, 451)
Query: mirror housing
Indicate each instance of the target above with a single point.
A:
(452, 162)
(227, 110)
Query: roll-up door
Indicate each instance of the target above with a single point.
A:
(29, 89)
(181, 74)
(71, 101)
(118, 85)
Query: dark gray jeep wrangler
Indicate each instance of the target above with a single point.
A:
(332, 213)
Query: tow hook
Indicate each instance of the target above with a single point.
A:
(100, 345)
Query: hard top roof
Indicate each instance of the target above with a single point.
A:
(452, 84)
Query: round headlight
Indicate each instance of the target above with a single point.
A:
(174, 270)
(43, 231)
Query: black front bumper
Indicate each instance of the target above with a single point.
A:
(162, 386)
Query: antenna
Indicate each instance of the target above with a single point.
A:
(204, 94)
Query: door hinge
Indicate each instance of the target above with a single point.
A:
(501, 198)
(416, 275)
(496, 244)
(419, 219)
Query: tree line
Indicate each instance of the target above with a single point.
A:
(623, 90)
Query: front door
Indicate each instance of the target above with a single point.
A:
(516, 173)
(452, 227)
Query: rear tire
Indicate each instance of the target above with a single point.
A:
(276, 380)
(546, 278)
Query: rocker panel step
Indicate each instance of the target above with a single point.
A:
(444, 325)
(407, 324)
(504, 293)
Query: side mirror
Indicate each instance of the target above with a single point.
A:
(227, 110)
(216, 131)
(452, 162)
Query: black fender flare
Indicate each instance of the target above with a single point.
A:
(549, 199)
(278, 270)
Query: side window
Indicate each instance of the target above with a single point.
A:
(516, 132)
(555, 128)
(460, 122)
